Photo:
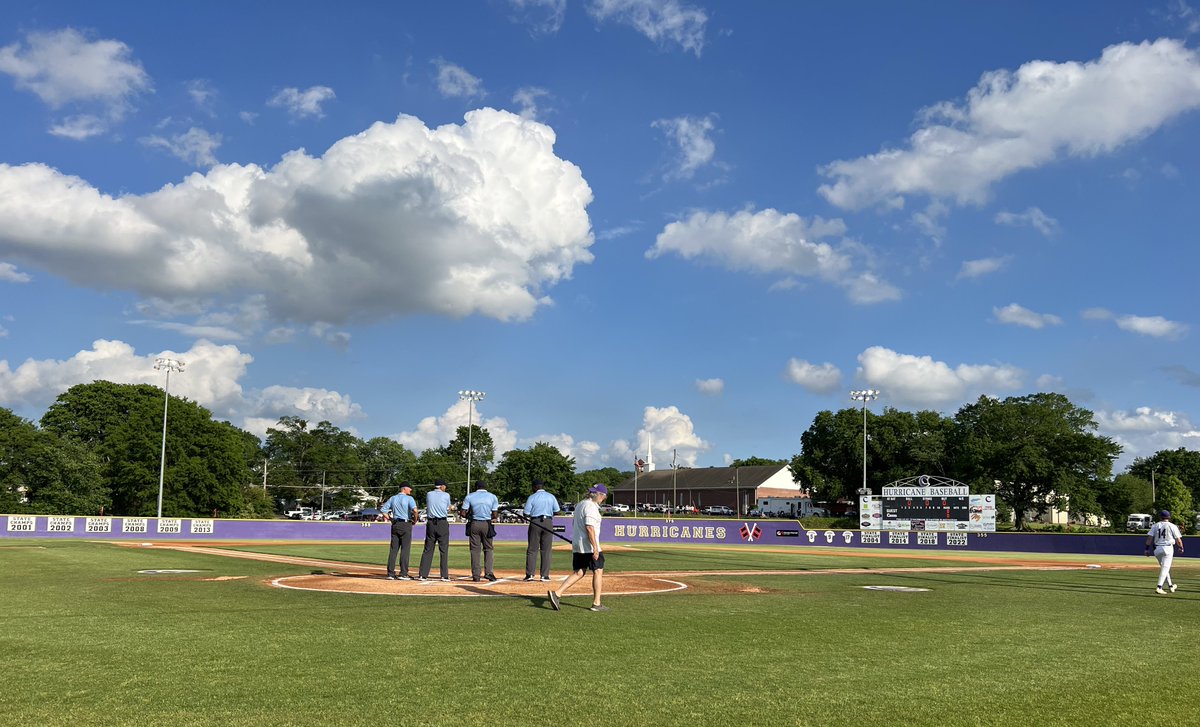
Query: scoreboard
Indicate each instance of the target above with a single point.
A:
(936, 507)
(929, 507)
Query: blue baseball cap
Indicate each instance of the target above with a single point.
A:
(1164, 515)
(598, 488)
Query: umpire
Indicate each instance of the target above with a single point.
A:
(539, 510)
(480, 508)
(437, 529)
(402, 509)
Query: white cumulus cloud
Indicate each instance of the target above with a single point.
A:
(666, 22)
(63, 66)
(303, 104)
(1155, 326)
(666, 430)
(454, 81)
(769, 241)
(436, 431)
(1146, 430)
(1018, 315)
(211, 377)
(910, 380)
(1017, 120)
(817, 378)
(710, 387)
(79, 127)
(689, 135)
(480, 217)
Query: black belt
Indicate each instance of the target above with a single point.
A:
(435, 519)
(399, 521)
(541, 517)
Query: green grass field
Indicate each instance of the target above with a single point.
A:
(85, 640)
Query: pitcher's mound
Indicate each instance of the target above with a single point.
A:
(615, 584)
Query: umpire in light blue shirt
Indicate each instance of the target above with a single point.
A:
(437, 529)
(402, 509)
(539, 510)
(480, 508)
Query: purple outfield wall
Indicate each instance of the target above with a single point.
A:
(614, 530)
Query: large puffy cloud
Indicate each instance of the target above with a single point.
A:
(210, 377)
(662, 21)
(399, 219)
(666, 431)
(1146, 430)
(769, 241)
(1016, 120)
(436, 431)
(921, 381)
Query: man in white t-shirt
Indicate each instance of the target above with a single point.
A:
(1164, 537)
(585, 548)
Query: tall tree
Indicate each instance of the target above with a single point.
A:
(513, 477)
(207, 462)
(42, 473)
(1032, 451)
(314, 465)
(483, 449)
(830, 459)
(1172, 495)
(1182, 463)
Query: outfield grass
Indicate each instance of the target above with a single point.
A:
(85, 640)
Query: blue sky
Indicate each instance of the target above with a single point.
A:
(695, 223)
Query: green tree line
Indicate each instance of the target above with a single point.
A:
(97, 449)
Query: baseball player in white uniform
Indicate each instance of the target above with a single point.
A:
(1164, 537)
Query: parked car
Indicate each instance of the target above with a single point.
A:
(718, 510)
(621, 508)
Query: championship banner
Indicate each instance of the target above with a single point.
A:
(22, 523)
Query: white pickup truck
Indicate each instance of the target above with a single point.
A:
(300, 513)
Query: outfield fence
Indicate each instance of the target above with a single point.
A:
(746, 533)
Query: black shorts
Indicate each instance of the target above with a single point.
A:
(584, 562)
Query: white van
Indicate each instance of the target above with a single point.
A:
(1138, 522)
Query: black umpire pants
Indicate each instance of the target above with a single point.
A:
(481, 544)
(437, 532)
(541, 540)
(401, 543)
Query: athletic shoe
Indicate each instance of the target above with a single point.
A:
(422, 578)
(445, 580)
(491, 577)
(553, 600)
(1173, 587)
(474, 579)
(545, 579)
(391, 577)
(600, 607)
(1160, 591)
(527, 579)
(403, 578)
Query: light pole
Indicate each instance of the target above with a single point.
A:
(470, 397)
(169, 365)
(864, 395)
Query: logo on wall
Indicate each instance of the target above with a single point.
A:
(750, 532)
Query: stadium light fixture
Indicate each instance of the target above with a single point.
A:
(470, 396)
(169, 365)
(864, 395)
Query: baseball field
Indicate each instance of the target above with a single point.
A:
(307, 634)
